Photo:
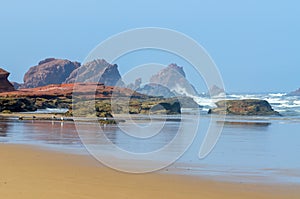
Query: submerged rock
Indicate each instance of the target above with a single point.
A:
(243, 107)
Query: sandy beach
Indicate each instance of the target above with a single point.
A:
(28, 172)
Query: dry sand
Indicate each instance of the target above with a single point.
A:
(34, 173)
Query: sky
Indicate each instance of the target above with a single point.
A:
(255, 44)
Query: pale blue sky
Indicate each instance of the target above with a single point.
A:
(254, 43)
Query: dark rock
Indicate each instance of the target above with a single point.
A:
(17, 105)
(97, 71)
(5, 85)
(166, 108)
(243, 107)
(173, 77)
(49, 71)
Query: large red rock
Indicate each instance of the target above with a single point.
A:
(85, 90)
(49, 71)
(97, 71)
(5, 85)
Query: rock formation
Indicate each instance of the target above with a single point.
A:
(158, 90)
(243, 107)
(216, 91)
(97, 71)
(60, 96)
(173, 77)
(49, 71)
(294, 93)
(5, 85)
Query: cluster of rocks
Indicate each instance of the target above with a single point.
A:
(50, 85)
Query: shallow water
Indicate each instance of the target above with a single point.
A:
(249, 150)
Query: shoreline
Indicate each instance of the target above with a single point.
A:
(36, 172)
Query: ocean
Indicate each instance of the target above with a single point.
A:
(250, 149)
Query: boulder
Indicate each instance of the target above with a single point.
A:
(49, 71)
(243, 107)
(5, 85)
(97, 71)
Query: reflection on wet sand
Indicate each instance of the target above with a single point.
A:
(53, 132)
(245, 124)
(3, 129)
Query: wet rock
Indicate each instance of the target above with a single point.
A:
(243, 107)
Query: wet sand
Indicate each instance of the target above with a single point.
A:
(29, 173)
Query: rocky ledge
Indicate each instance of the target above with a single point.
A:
(243, 107)
(99, 95)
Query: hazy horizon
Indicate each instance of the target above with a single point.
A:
(254, 44)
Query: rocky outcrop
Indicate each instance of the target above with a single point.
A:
(96, 71)
(49, 71)
(243, 107)
(61, 96)
(5, 85)
(17, 104)
(173, 77)
(294, 93)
